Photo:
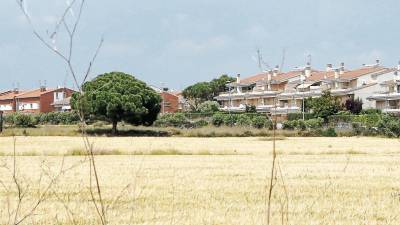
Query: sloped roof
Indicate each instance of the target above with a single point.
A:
(263, 76)
(320, 75)
(352, 74)
(34, 93)
(9, 95)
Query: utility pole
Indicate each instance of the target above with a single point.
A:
(230, 100)
(1, 121)
(302, 95)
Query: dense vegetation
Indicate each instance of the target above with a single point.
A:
(116, 97)
(32, 120)
(205, 91)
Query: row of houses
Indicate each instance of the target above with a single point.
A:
(44, 100)
(280, 93)
(41, 100)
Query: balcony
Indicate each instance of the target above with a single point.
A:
(246, 95)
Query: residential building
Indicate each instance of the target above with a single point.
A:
(62, 105)
(281, 93)
(172, 101)
(388, 99)
(7, 100)
(33, 101)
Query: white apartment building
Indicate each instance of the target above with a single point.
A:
(281, 93)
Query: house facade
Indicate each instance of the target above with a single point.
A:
(281, 93)
(34, 101)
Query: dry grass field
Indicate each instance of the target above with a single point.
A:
(206, 180)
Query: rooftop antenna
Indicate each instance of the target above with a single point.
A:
(262, 65)
(309, 59)
(283, 58)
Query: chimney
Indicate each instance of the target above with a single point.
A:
(378, 62)
(328, 67)
(398, 66)
(16, 90)
(276, 71)
(238, 78)
(337, 73)
(303, 75)
(307, 70)
(341, 68)
(269, 76)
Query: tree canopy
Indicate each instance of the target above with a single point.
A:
(205, 91)
(324, 106)
(116, 97)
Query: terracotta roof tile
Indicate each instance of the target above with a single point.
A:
(9, 95)
(34, 93)
(363, 71)
(279, 77)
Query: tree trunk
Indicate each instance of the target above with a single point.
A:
(114, 127)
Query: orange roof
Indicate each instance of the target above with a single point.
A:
(34, 93)
(363, 71)
(319, 75)
(9, 95)
(279, 77)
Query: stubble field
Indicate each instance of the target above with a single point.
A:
(203, 180)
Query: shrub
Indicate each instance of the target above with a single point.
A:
(243, 120)
(230, 119)
(251, 109)
(314, 123)
(300, 124)
(330, 132)
(289, 124)
(21, 120)
(261, 122)
(298, 116)
(389, 126)
(172, 120)
(369, 120)
(217, 119)
(56, 118)
(208, 107)
(371, 111)
(201, 123)
(354, 105)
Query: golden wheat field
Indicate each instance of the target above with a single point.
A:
(222, 181)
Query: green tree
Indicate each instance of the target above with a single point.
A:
(198, 93)
(116, 97)
(209, 107)
(324, 106)
(205, 91)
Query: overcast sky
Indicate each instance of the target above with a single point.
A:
(179, 42)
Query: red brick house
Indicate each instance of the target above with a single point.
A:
(170, 102)
(35, 101)
(7, 100)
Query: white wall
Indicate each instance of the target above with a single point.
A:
(364, 93)
(5, 107)
(26, 106)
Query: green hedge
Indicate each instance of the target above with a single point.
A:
(298, 116)
(303, 125)
(218, 119)
(31, 120)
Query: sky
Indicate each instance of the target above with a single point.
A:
(176, 43)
